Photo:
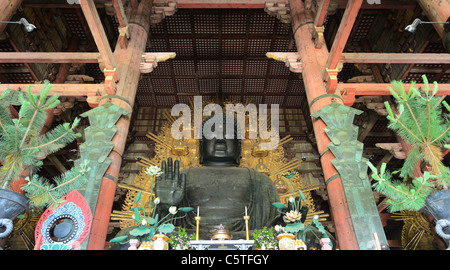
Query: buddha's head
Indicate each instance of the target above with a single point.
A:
(223, 151)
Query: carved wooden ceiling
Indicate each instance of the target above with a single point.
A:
(221, 55)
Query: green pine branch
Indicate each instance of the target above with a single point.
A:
(424, 124)
(23, 147)
(402, 196)
(43, 192)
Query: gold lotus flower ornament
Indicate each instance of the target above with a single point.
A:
(292, 216)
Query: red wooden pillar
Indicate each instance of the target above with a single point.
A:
(314, 63)
(436, 11)
(128, 60)
(7, 9)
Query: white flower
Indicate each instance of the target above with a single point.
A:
(144, 222)
(153, 170)
(292, 216)
(291, 199)
(173, 210)
(156, 201)
(278, 228)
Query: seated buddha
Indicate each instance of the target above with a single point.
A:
(219, 189)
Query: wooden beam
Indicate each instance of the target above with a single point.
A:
(334, 64)
(382, 89)
(321, 13)
(63, 89)
(96, 27)
(120, 13)
(396, 58)
(46, 57)
(345, 27)
(259, 4)
(445, 152)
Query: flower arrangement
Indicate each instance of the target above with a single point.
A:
(149, 223)
(181, 241)
(265, 238)
(293, 218)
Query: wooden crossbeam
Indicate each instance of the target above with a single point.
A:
(321, 13)
(259, 4)
(333, 65)
(345, 27)
(95, 25)
(382, 89)
(45, 57)
(64, 89)
(396, 58)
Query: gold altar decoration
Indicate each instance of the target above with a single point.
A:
(221, 234)
(23, 233)
(272, 163)
(417, 231)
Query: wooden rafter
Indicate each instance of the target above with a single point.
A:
(95, 25)
(45, 57)
(345, 27)
(321, 13)
(396, 58)
(63, 89)
(382, 89)
(343, 32)
(259, 4)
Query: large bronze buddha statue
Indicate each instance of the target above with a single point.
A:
(220, 189)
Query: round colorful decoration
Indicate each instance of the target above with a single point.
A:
(66, 224)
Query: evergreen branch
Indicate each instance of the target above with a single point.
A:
(45, 192)
(29, 127)
(67, 182)
(11, 170)
(415, 121)
(4, 130)
(49, 142)
(443, 133)
(408, 130)
(429, 121)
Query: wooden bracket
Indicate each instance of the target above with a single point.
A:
(348, 96)
(280, 10)
(317, 35)
(93, 99)
(111, 72)
(291, 59)
(124, 36)
(150, 60)
(330, 77)
(110, 85)
(395, 149)
(161, 9)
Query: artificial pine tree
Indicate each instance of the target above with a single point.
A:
(22, 147)
(423, 122)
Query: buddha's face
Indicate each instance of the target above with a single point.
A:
(220, 152)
